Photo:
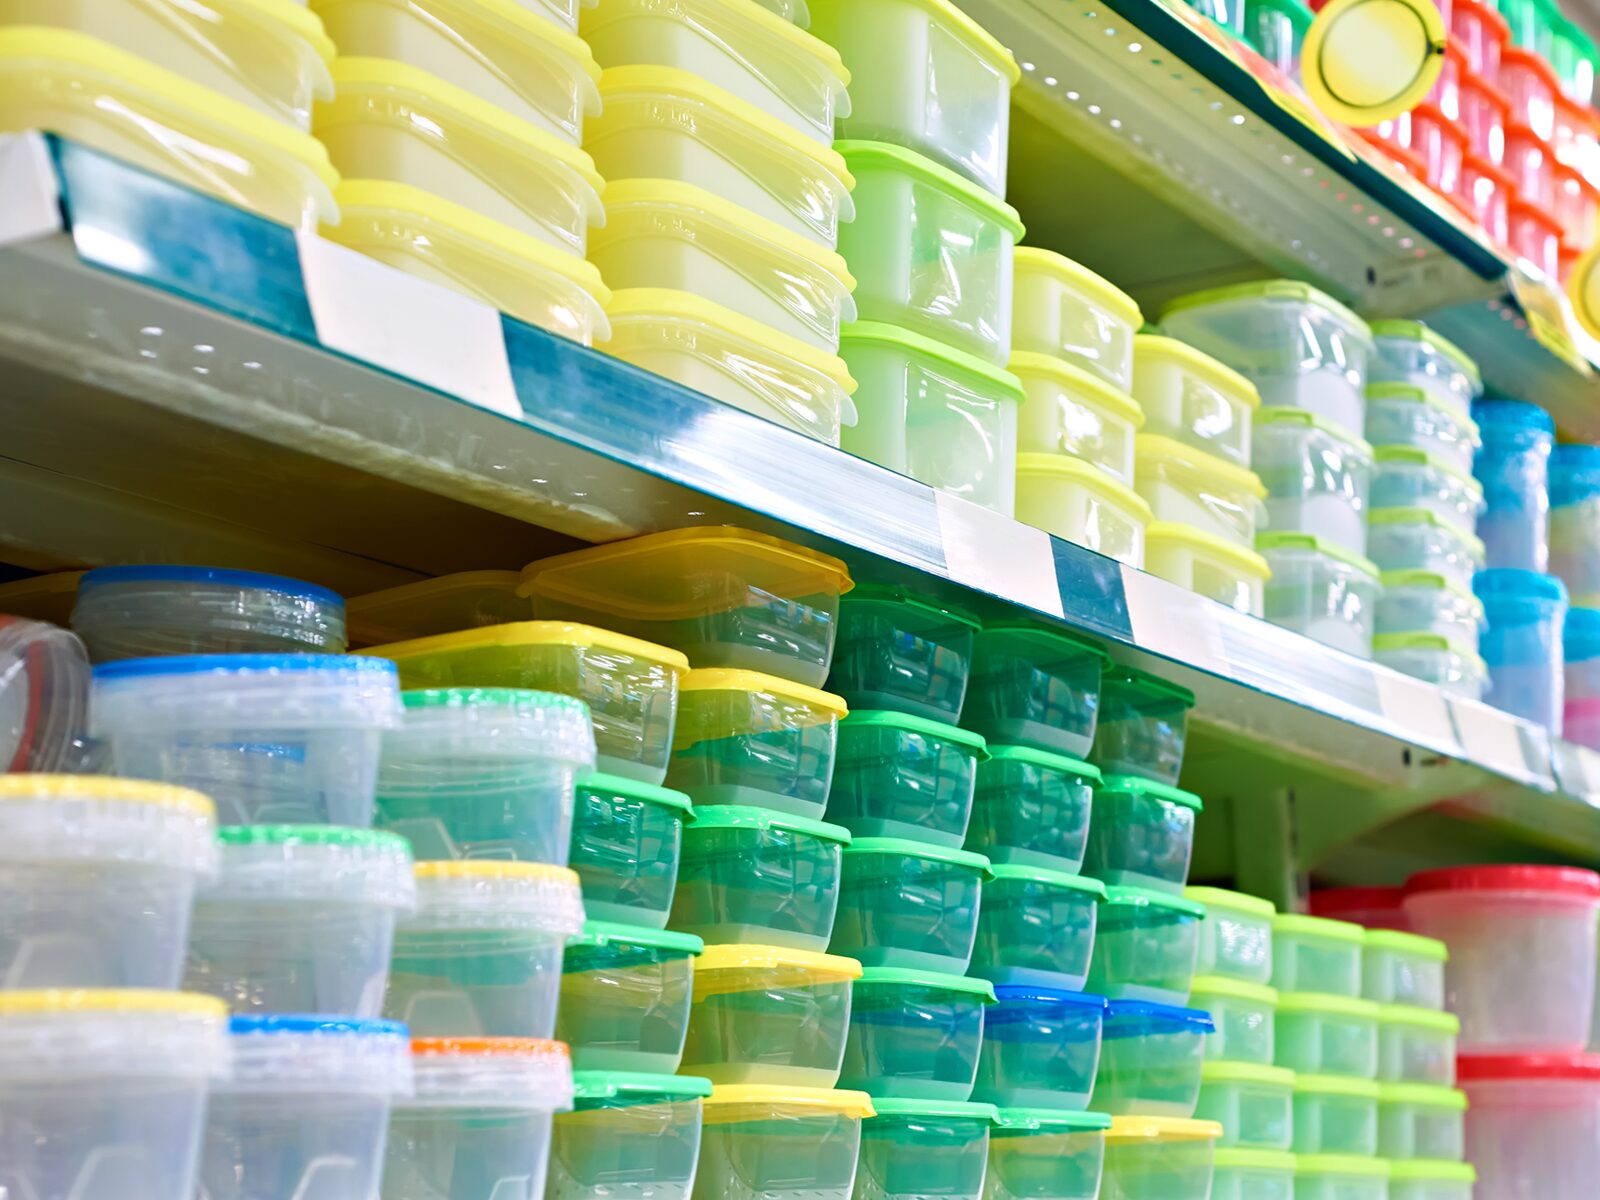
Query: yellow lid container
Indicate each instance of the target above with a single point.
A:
(1190, 487)
(754, 1102)
(1207, 565)
(721, 970)
(1082, 503)
(448, 604)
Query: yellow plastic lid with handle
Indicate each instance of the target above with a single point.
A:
(1368, 61)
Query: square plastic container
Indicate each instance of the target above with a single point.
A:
(1245, 1016)
(1322, 590)
(900, 776)
(1326, 1035)
(1034, 686)
(1143, 726)
(898, 649)
(1190, 487)
(1036, 927)
(1207, 565)
(1406, 477)
(1340, 1177)
(1427, 602)
(1431, 1180)
(1235, 936)
(770, 1016)
(1145, 946)
(1315, 954)
(1079, 502)
(1334, 1114)
(1522, 643)
(1032, 808)
(924, 1148)
(1402, 414)
(1417, 1121)
(769, 1141)
(1429, 657)
(915, 1035)
(1417, 1045)
(909, 905)
(1408, 352)
(1318, 477)
(627, 1134)
(627, 844)
(1150, 1057)
(931, 251)
(1192, 398)
(756, 875)
(1254, 1104)
(1159, 1158)
(1069, 410)
(1066, 311)
(1045, 1154)
(1240, 1173)
(1403, 968)
(625, 995)
(1041, 1048)
(1142, 834)
(1533, 1124)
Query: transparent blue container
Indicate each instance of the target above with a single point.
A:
(1526, 614)
(1513, 464)
(1041, 1048)
(1575, 522)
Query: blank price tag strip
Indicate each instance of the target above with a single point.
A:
(995, 554)
(1174, 623)
(1496, 740)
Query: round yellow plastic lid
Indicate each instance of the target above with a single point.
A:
(1153, 448)
(531, 633)
(1337, 1085)
(109, 1000)
(1221, 376)
(1419, 1018)
(1161, 1129)
(1213, 898)
(1079, 278)
(488, 868)
(1221, 985)
(764, 1102)
(1069, 375)
(1300, 925)
(1583, 290)
(1367, 61)
(104, 787)
(724, 679)
(1243, 562)
(1413, 944)
(1089, 476)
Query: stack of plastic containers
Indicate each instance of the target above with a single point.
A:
(1513, 469)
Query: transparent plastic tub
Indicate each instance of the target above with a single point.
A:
(447, 604)
(915, 1035)
(1322, 590)
(1036, 927)
(1326, 1035)
(1241, 1173)
(1318, 477)
(140, 612)
(1045, 1154)
(101, 1088)
(1429, 657)
(1403, 414)
(1406, 477)
(1335, 1114)
(1408, 352)
(1159, 1158)
(1235, 936)
(1041, 1048)
(901, 776)
(627, 846)
(899, 649)
(770, 1016)
(1150, 1058)
(1418, 1121)
(918, 1147)
(1065, 310)
(1416, 539)
(1417, 1045)
(1253, 1103)
(1245, 1015)
(1079, 502)
(482, 955)
(1190, 487)
(485, 773)
(1316, 954)
(780, 1142)
(1575, 521)
(1032, 808)
(269, 737)
(756, 875)
(1142, 834)
(1207, 565)
(1403, 968)
(931, 251)
(305, 1109)
(1522, 643)
(97, 878)
(627, 1135)
(1533, 1125)
(1034, 686)
(300, 919)
(909, 905)
(625, 994)
(44, 697)
(1145, 946)
(1192, 398)
(1069, 410)
(1514, 468)
(1427, 602)
(1431, 1180)
(1340, 1177)
(1143, 727)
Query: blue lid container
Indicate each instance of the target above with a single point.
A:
(1505, 422)
(1041, 1048)
(1574, 474)
(1522, 644)
(1513, 464)
(1581, 637)
(1150, 1058)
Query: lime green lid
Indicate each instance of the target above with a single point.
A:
(1413, 944)
(1046, 875)
(1322, 1002)
(1235, 989)
(1271, 289)
(996, 378)
(739, 816)
(634, 1085)
(861, 153)
(633, 789)
(1144, 681)
(902, 1106)
(1429, 641)
(1246, 1072)
(890, 593)
(1431, 1170)
(1416, 331)
(1341, 1164)
(922, 850)
(1417, 395)
(1306, 541)
(928, 979)
(1243, 1158)
(1138, 785)
(1051, 1119)
(1337, 1085)
(1276, 415)
(1410, 515)
(1044, 758)
(1322, 927)
(1416, 456)
(609, 933)
(1419, 578)
(1214, 898)
(311, 835)
(1146, 898)
(490, 697)
(1423, 1095)
(914, 724)
(1419, 1018)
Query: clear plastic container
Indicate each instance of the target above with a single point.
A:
(1080, 503)
(899, 649)
(1335, 1114)
(1142, 834)
(1514, 468)
(1190, 487)
(1575, 521)
(1417, 539)
(780, 1142)
(1317, 475)
(909, 905)
(1192, 398)
(627, 845)
(1417, 1045)
(1403, 414)
(1065, 310)
(1326, 1035)
(901, 776)
(105, 1091)
(1403, 968)
(448, 604)
(627, 1135)
(1150, 1056)
(1340, 1177)
(1242, 1173)
(1431, 1180)
(918, 1147)
(140, 612)
(97, 877)
(625, 994)
(1533, 1125)
(1245, 1014)
(482, 955)
(1253, 1103)
(300, 919)
(1322, 590)
(1427, 602)
(1032, 808)
(1406, 477)
(915, 1035)
(305, 1109)
(1372, 907)
(931, 251)
(1142, 730)
(269, 737)
(1036, 927)
(1316, 954)
(1041, 1048)
(1418, 1121)
(44, 697)
(1034, 686)
(755, 875)
(1235, 936)
(1207, 565)
(1145, 946)
(1069, 410)
(1410, 353)
(1159, 1158)
(1522, 643)
(1045, 1154)
(1427, 656)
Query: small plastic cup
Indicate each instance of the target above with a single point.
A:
(627, 844)
(915, 1035)
(1245, 1016)
(305, 1110)
(1326, 1035)
(1417, 1045)
(1145, 946)
(924, 1148)
(903, 651)
(1340, 1177)
(780, 1141)
(627, 1135)
(1150, 1057)
(485, 773)
(909, 905)
(754, 875)
(1159, 1158)
(1429, 1179)
(300, 918)
(1315, 954)
(1143, 725)
(1254, 1104)
(1403, 968)
(1037, 927)
(1335, 1114)
(625, 994)
(1034, 686)
(1242, 1173)
(901, 776)
(1032, 808)
(1045, 1154)
(1419, 1121)
(481, 957)
(1041, 1048)
(1235, 936)
(97, 878)
(1142, 834)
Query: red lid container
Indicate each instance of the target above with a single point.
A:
(1531, 87)
(1486, 191)
(1374, 907)
(1446, 91)
(1565, 881)
(1484, 111)
(1481, 32)
(1483, 1068)
(1440, 144)
(1531, 165)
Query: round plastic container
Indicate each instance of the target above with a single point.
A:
(1427, 602)
(1036, 927)
(1235, 936)
(901, 776)
(1372, 907)
(44, 697)
(1410, 353)
(1322, 590)
(1032, 808)
(1431, 1180)
(1142, 834)
(1434, 659)
(1326, 1035)
(1069, 410)
(1405, 477)
(627, 843)
(1315, 954)
(269, 737)
(1418, 1121)
(1034, 686)
(1403, 968)
(1145, 946)
(898, 649)
(915, 1035)
(482, 955)
(1142, 728)
(1522, 643)
(1402, 414)
(755, 875)
(300, 918)
(1581, 673)
(305, 1109)
(1416, 539)
(1254, 1104)
(97, 877)
(1529, 162)
(1041, 1048)
(1206, 565)
(1159, 1158)
(1340, 1177)
(1150, 1056)
(1482, 33)
(1317, 477)
(1192, 398)
(1245, 1015)
(1533, 1125)
(1534, 236)
(909, 905)
(780, 1141)
(1080, 503)
(1186, 486)
(1064, 310)
(1242, 1173)
(627, 1135)
(479, 1121)
(1575, 521)
(1045, 1154)
(1417, 1045)
(1335, 1114)
(102, 1088)
(1514, 468)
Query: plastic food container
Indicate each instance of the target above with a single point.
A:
(1431, 1180)
(1403, 968)
(915, 1035)
(1189, 487)
(909, 905)
(930, 250)
(1434, 659)
(1142, 834)
(1326, 1035)
(1142, 730)
(1514, 469)
(1145, 946)
(478, 1123)
(97, 877)
(627, 1134)
(1530, 86)
(300, 919)
(1485, 112)
(98, 1088)
(1242, 1173)
(1335, 1114)
(1530, 164)
(305, 1108)
(1482, 33)
(1340, 1177)
(1206, 565)
(1405, 477)
(1318, 477)
(1581, 654)
(1069, 410)
(1372, 907)
(1034, 686)
(482, 955)
(1575, 521)
(1150, 1056)
(916, 1147)
(625, 995)
(1045, 1154)
(1417, 1045)
(772, 1141)
(1322, 590)
(1041, 1048)
(900, 776)
(1533, 1125)
(756, 875)
(1418, 1121)
(269, 737)
(1079, 502)
(1522, 643)
(1066, 311)
(1245, 1014)
(44, 696)
(898, 649)
(1253, 1103)
(1192, 398)
(140, 612)
(1410, 353)
(1417, 539)
(1315, 954)
(1427, 602)
(944, 417)
(1522, 944)
(627, 844)
(1403, 414)
(1036, 927)
(448, 604)
(1235, 936)
(1032, 808)
(1159, 1158)
(769, 1015)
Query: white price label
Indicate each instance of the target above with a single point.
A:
(988, 551)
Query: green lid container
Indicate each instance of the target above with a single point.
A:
(627, 839)
(1037, 926)
(909, 904)
(1031, 808)
(625, 996)
(627, 1131)
(1045, 1154)
(1145, 946)
(1143, 726)
(1142, 834)
(897, 649)
(924, 1148)
(896, 775)
(1033, 685)
(915, 1035)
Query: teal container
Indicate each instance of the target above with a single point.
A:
(774, 1143)
(1143, 725)
(1041, 1048)
(757, 876)
(627, 1135)
(1146, 945)
(915, 1035)
(1037, 927)
(901, 776)
(902, 651)
(625, 995)
(627, 839)
(909, 904)
(1034, 686)
(1045, 1154)
(1031, 808)
(1150, 1060)
(1142, 834)
(931, 1149)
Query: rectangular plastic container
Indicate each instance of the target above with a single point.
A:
(1318, 477)
(1207, 565)
(625, 995)
(1077, 501)
(1417, 1045)
(915, 1035)
(1427, 602)
(1315, 954)
(1408, 352)
(1235, 936)
(1427, 656)
(767, 1141)
(1240, 1173)
(1245, 1016)
(1150, 1059)
(1326, 1035)
(1036, 686)
(1142, 833)
(627, 843)
(924, 1148)
(1036, 927)
(1041, 1048)
(1403, 414)
(627, 1133)
(1068, 312)
(1406, 539)
(1145, 946)
(909, 905)
(899, 649)
(1069, 410)
(1406, 477)
(900, 776)
(1417, 1121)
(1192, 398)
(1032, 808)
(1159, 1158)
(1045, 1154)
(1253, 1103)
(1340, 1177)
(1143, 727)
(1322, 590)
(1431, 1180)
(1335, 1114)
(1403, 968)
(1190, 487)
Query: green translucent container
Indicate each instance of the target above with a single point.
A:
(1145, 947)
(1245, 1016)
(1236, 935)
(1041, 1047)
(1335, 1114)
(1246, 1174)
(1031, 808)
(754, 875)
(625, 994)
(1150, 1057)
(924, 1148)
(1416, 1120)
(915, 1034)
(901, 776)
(1253, 1104)
(627, 1135)
(1316, 954)
(780, 1143)
(1143, 726)
(908, 904)
(1034, 686)
(1326, 1035)
(1431, 1180)
(1403, 968)
(1037, 926)
(1142, 833)
(1340, 1177)
(899, 650)
(627, 839)
(1045, 1154)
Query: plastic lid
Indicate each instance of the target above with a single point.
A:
(1058, 640)
(1074, 378)
(354, 665)
(1416, 456)
(1364, 62)
(1337, 1085)
(1431, 1170)
(1241, 561)
(1043, 758)
(606, 933)
(1437, 642)
(1482, 1068)
(1221, 898)
(1416, 331)
(1580, 636)
(1235, 989)
(491, 894)
(915, 724)
(1088, 476)
(1277, 415)
(1272, 289)
(1337, 902)
(1321, 1002)
(444, 723)
(738, 816)
(923, 850)
(1080, 278)
(51, 1036)
(1240, 1158)
(635, 1085)
(725, 969)
(1145, 1018)
(764, 1102)
(1413, 944)
(1143, 681)
(1024, 873)
(1561, 881)
(1148, 898)
(1498, 415)
(928, 979)
(317, 1056)
(1433, 581)
(1419, 1018)
(1138, 785)
(1161, 1129)
(994, 382)
(1323, 927)
(1304, 541)
(255, 580)
(313, 864)
(600, 783)
(881, 154)
(900, 1106)
(109, 789)
(1051, 1119)
(529, 1074)
(1154, 450)
(1023, 993)
(722, 679)
(1245, 1072)
(889, 593)
(1423, 1095)
(1220, 375)
(33, 1001)
(1341, 1164)
(1509, 583)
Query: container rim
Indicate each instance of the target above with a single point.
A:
(227, 577)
